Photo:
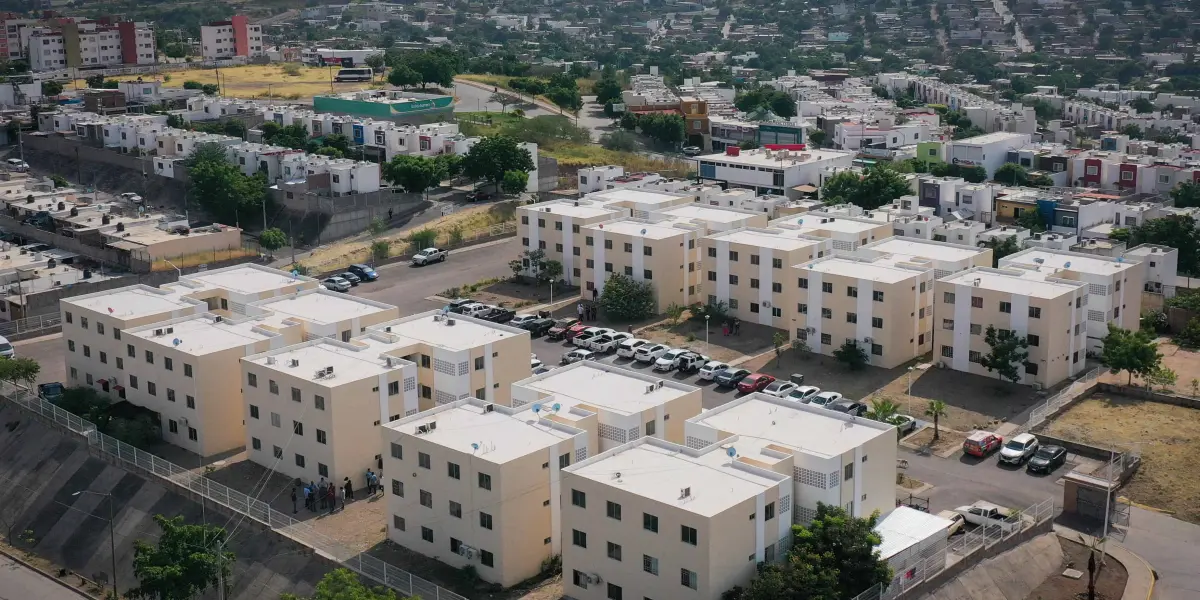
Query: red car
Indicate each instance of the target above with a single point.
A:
(574, 330)
(982, 443)
(755, 382)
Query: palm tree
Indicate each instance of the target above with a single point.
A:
(883, 409)
(935, 409)
(779, 339)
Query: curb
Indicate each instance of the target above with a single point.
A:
(46, 575)
(1120, 554)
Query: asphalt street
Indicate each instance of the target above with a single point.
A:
(406, 286)
(20, 583)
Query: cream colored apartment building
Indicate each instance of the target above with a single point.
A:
(1114, 285)
(1048, 310)
(614, 405)
(831, 457)
(847, 233)
(477, 484)
(312, 410)
(748, 269)
(654, 519)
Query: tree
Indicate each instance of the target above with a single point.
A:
(766, 98)
(403, 76)
(1002, 247)
(221, 188)
(380, 249)
(413, 173)
(514, 182)
(343, 584)
(376, 62)
(1186, 195)
(272, 239)
(629, 121)
(503, 100)
(817, 138)
(1190, 336)
(845, 545)
(674, 312)
(188, 561)
(883, 409)
(493, 156)
(421, 239)
(1142, 105)
(666, 129)
(878, 185)
(1132, 130)
(51, 87)
(1162, 378)
(20, 370)
(1177, 231)
(338, 142)
(1007, 355)
(779, 340)
(627, 299)
(60, 181)
(550, 271)
(1132, 351)
(620, 141)
(1032, 220)
(937, 410)
(1012, 174)
(852, 355)
(95, 81)
(607, 89)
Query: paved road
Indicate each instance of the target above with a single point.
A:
(474, 99)
(19, 583)
(48, 352)
(962, 480)
(407, 287)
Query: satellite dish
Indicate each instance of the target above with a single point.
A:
(474, 445)
(556, 406)
(643, 232)
(537, 408)
(731, 451)
(1067, 265)
(176, 341)
(1120, 259)
(799, 221)
(295, 273)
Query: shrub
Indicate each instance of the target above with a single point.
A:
(291, 70)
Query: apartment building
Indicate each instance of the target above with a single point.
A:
(612, 404)
(845, 233)
(66, 43)
(1114, 293)
(944, 258)
(665, 254)
(476, 484)
(556, 227)
(768, 171)
(227, 39)
(1048, 310)
(989, 151)
(747, 269)
(1161, 265)
(654, 519)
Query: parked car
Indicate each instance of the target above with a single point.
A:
(583, 340)
(351, 277)
(730, 377)
(541, 369)
(131, 197)
(458, 304)
(51, 391)
(429, 255)
(825, 398)
(499, 315)
(478, 196)
(648, 353)
(780, 389)
(629, 347)
(710, 369)
(691, 362)
(1047, 459)
(538, 327)
(560, 327)
(755, 382)
(956, 522)
(850, 407)
(1018, 449)
(904, 424)
(692, 150)
(521, 319)
(336, 284)
(476, 310)
(534, 362)
(577, 355)
(18, 165)
(982, 443)
(669, 361)
(608, 342)
(575, 330)
(804, 393)
(364, 272)
(988, 514)
(6, 348)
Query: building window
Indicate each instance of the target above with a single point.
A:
(614, 592)
(614, 551)
(803, 283)
(426, 499)
(398, 523)
(1006, 307)
(190, 402)
(802, 309)
(300, 460)
(455, 510)
(1033, 340)
(976, 302)
(487, 558)
(948, 351)
(193, 435)
(649, 522)
(687, 534)
(397, 488)
(397, 451)
(485, 520)
(826, 313)
(579, 579)
(687, 578)
(1031, 368)
(321, 437)
(298, 428)
(151, 388)
(851, 317)
(564, 460)
(273, 387)
(733, 256)
(422, 460)
(251, 380)
(295, 394)
(579, 498)
(650, 564)
(826, 339)
(187, 370)
(877, 322)
(948, 297)
(827, 287)
(852, 291)
(579, 538)
(974, 356)
(877, 349)
(1035, 312)
(485, 481)
(948, 324)
(427, 534)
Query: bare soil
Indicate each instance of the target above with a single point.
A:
(947, 439)
(1164, 434)
(1185, 363)
(512, 294)
(1110, 585)
(753, 339)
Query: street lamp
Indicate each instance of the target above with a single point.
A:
(910, 370)
(112, 538)
(706, 318)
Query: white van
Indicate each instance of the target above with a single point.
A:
(6, 348)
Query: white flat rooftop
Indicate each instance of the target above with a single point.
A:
(990, 138)
(659, 474)
(809, 223)
(811, 430)
(1014, 281)
(777, 239)
(616, 390)
(583, 211)
(501, 437)
(1083, 263)
(466, 333)
(636, 197)
(906, 246)
(906, 527)
(323, 307)
(759, 158)
(135, 302)
(878, 271)
(652, 231)
(349, 364)
(705, 213)
(201, 335)
(246, 280)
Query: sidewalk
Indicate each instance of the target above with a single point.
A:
(1140, 585)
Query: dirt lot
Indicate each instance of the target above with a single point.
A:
(1110, 585)
(1166, 435)
(947, 439)
(510, 294)
(1185, 363)
(255, 80)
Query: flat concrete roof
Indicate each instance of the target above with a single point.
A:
(202, 335)
(705, 213)
(776, 239)
(990, 138)
(466, 333)
(501, 437)
(612, 389)
(759, 158)
(585, 210)
(906, 246)
(878, 271)
(1083, 263)
(1015, 281)
(635, 196)
(348, 363)
(760, 419)
(134, 302)
(643, 229)
(807, 223)
(321, 306)
(660, 471)
(245, 279)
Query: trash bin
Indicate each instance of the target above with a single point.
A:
(796, 378)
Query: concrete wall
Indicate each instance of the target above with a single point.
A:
(107, 170)
(44, 467)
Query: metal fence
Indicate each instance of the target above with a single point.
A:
(1041, 412)
(921, 570)
(30, 325)
(398, 579)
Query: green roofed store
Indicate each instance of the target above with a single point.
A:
(391, 105)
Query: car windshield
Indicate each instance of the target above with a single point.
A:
(1015, 445)
(1046, 453)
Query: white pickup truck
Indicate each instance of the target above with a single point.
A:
(989, 515)
(429, 255)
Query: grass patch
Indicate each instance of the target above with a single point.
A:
(586, 155)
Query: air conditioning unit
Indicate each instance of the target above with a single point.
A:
(593, 578)
(170, 330)
(489, 408)
(422, 429)
(319, 374)
(158, 332)
(295, 362)
(450, 322)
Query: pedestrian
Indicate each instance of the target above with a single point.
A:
(375, 487)
(579, 309)
(294, 500)
(349, 489)
(312, 499)
(737, 326)
(629, 329)
(725, 329)
(332, 498)
(323, 494)
(595, 294)
(342, 492)
(307, 496)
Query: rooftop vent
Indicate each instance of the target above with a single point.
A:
(295, 362)
(685, 493)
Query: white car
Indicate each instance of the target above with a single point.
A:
(1016, 450)
(522, 319)
(629, 347)
(711, 368)
(131, 197)
(669, 360)
(6, 348)
(18, 165)
(608, 342)
(650, 352)
(475, 310)
(779, 389)
(988, 514)
(429, 255)
(585, 337)
(825, 399)
(804, 393)
(577, 355)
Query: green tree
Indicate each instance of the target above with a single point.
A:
(1032, 220)
(674, 312)
(1012, 174)
(1007, 355)
(493, 156)
(1186, 195)
(1132, 351)
(1162, 378)
(376, 62)
(514, 182)
(852, 355)
(413, 173)
(878, 185)
(1002, 247)
(1176, 231)
(779, 340)
(817, 138)
(448, 166)
(337, 141)
(627, 299)
(883, 409)
(60, 181)
(343, 584)
(403, 76)
(421, 239)
(607, 89)
(1132, 130)
(221, 188)
(1190, 336)
(936, 409)
(272, 239)
(549, 271)
(1142, 105)
(51, 87)
(629, 121)
(95, 82)
(20, 370)
(187, 561)
(380, 249)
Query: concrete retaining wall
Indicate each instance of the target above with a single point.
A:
(960, 567)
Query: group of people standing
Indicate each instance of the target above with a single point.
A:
(322, 495)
